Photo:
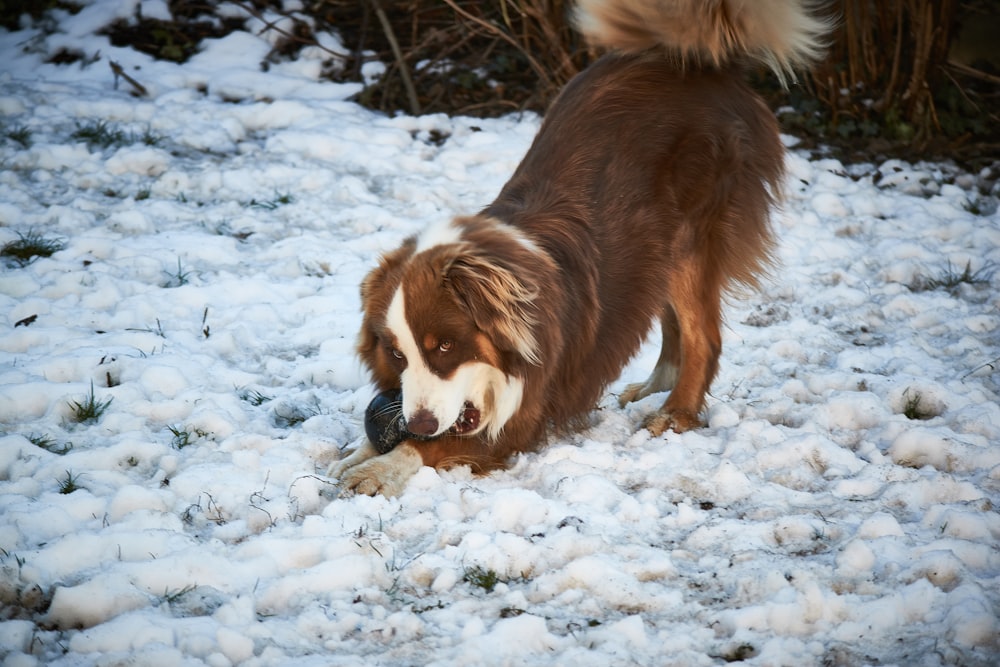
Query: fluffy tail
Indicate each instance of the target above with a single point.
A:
(783, 34)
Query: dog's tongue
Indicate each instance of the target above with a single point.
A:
(467, 421)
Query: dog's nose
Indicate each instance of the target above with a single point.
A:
(423, 422)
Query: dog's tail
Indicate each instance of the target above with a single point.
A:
(783, 34)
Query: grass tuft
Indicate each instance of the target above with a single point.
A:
(21, 134)
(279, 199)
(29, 247)
(254, 397)
(157, 331)
(914, 407)
(184, 435)
(102, 134)
(99, 133)
(293, 415)
(951, 279)
(173, 596)
(148, 138)
(48, 444)
(911, 409)
(178, 278)
(69, 483)
(91, 409)
(482, 578)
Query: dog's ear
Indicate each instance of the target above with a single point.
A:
(379, 278)
(377, 290)
(500, 301)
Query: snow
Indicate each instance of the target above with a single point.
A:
(839, 508)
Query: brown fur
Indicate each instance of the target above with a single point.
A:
(644, 197)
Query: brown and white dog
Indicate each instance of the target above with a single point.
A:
(646, 195)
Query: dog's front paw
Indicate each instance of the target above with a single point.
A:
(677, 421)
(386, 474)
(364, 451)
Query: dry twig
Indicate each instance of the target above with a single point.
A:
(137, 88)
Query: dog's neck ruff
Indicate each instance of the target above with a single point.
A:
(449, 232)
(445, 232)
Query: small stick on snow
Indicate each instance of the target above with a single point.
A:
(138, 89)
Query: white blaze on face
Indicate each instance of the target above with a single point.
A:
(495, 394)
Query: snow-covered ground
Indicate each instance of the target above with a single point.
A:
(841, 508)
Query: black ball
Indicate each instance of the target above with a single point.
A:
(385, 424)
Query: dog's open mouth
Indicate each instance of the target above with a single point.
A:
(468, 420)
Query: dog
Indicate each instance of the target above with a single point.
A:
(645, 196)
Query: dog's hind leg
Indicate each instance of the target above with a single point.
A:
(695, 294)
(664, 374)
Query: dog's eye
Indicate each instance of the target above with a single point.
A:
(445, 346)
(396, 353)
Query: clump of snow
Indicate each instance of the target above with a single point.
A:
(839, 507)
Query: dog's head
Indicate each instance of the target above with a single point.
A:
(450, 318)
